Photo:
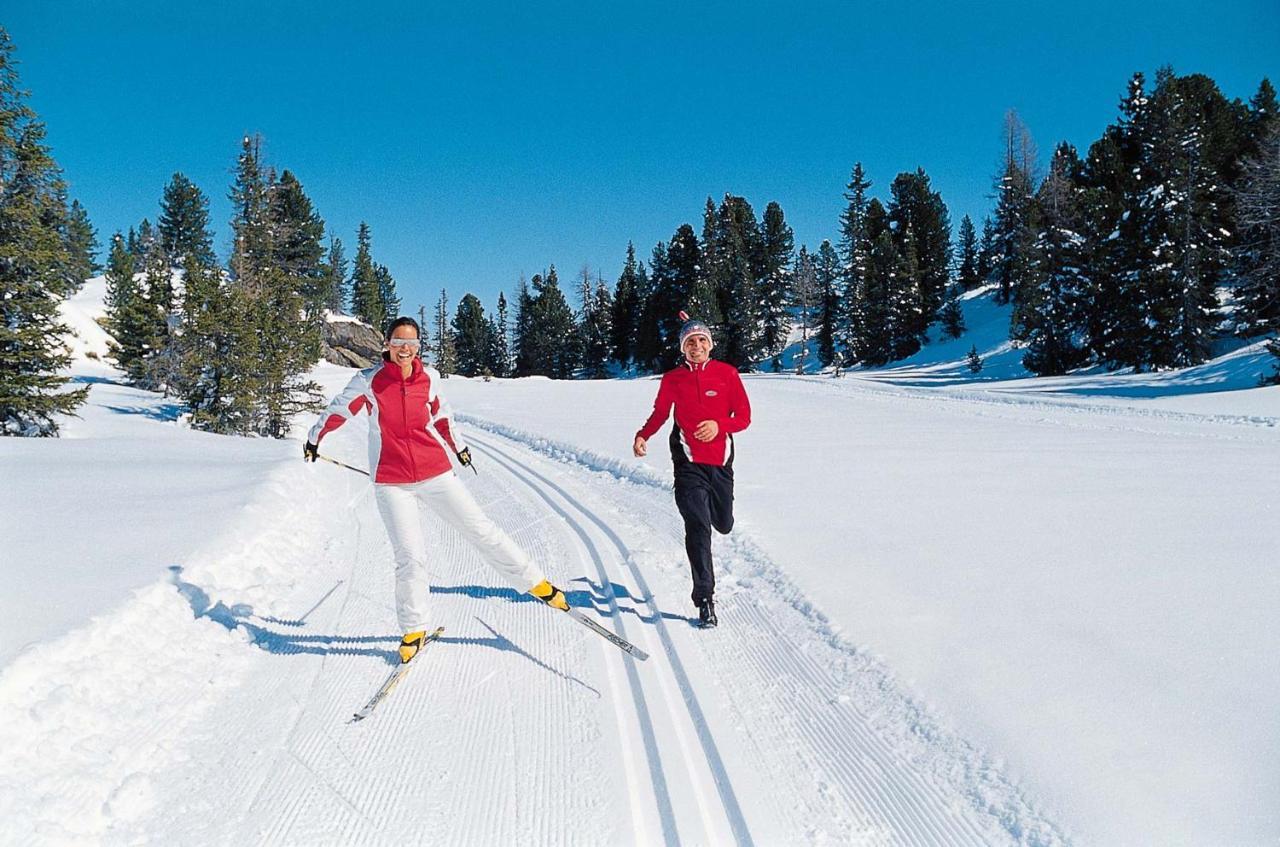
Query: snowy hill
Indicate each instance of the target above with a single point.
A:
(1012, 611)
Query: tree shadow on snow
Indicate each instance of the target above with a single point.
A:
(285, 644)
(163, 412)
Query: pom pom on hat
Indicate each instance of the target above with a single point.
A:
(693, 326)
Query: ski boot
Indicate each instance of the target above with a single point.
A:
(410, 645)
(549, 594)
(707, 614)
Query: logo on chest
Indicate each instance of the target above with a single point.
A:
(711, 392)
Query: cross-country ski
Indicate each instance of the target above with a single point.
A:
(393, 679)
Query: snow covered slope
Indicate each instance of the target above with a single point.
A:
(971, 614)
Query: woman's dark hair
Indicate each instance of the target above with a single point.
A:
(396, 324)
(399, 322)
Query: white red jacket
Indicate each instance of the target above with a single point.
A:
(411, 433)
(709, 391)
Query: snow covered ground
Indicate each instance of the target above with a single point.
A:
(953, 611)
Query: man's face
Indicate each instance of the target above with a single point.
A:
(697, 348)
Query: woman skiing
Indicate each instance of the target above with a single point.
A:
(410, 437)
(710, 405)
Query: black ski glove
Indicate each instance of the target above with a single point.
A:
(310, 452)
(464, 457)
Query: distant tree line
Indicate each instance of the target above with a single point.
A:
(1161, 240)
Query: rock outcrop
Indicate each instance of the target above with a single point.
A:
(351, 343)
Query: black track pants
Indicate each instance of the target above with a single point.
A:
(704, 496)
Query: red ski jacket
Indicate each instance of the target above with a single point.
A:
(410, 434)
(710, 391)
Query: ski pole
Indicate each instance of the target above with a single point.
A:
(341, 464)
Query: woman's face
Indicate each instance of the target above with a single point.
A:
(403, 345)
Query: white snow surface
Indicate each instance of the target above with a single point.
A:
(955, 610)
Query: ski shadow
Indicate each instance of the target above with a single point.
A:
(600, 601)
(593, 597)
(580, 599)
(498, 641)
(282, 644)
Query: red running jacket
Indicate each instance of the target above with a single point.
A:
(410, 434)
(710, 391)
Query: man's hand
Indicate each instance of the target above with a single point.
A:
(706, 431)
(464, 457)
(640, 447)
(310, 452)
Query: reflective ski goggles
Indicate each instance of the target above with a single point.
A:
(403, 342)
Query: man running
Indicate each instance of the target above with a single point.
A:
(710, 405)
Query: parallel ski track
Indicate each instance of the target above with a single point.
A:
(544, 487)
(887, 800)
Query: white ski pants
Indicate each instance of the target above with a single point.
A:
(448, 498)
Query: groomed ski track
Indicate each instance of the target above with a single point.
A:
(518, 727)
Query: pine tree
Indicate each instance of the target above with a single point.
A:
(204, 343)
(855, 252)
(556, 347)
(986, 251)
(776, 244)
(162, 360)
(736, 270)
(688, 290)
(334, 289)
(366, 302)
(905, 297)
(522, 340)
(82, 242)
(805, 298)
(183, 229)
(37, 269)
(298, 241)
(917, 213)
(1258, 251)
(471, 336)
(974, 360)
(874, 345)
(1052, 316)
(626, 309)
(1013, 230)
(500, 345)
(827, 268)
(130, 320)
(139, 242)
(1112, 223)
(952, 317)
(1183, 211)
(967, 256)
(269, 346)
(596, 331)
(386, 296)
(654, 291)
(446, 348)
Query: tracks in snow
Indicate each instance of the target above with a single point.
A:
(519, 727)
(761, 721)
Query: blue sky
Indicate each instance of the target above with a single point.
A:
(488, 140)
